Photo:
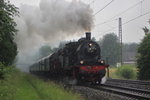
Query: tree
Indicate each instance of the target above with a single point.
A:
(143, 60)
(8, 48)
(110, 48)
(129, 51)
(45, 51)
(62, 44)
(93, 39)
(146, 30)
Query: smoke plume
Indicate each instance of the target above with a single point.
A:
(50, 22)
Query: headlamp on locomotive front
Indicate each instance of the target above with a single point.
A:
(81, 62)
(101, 61)
(90, 44)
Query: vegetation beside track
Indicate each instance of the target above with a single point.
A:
(21, 86)
(123, 72)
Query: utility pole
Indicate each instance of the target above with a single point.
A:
(120, 40)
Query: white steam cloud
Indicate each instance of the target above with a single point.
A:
(51, 22)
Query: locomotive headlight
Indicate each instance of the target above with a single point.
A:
(90, 44)
(81, 62)
(102, 62)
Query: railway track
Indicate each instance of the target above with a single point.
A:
(137, 84)
(129, 81)
(120, 89)
(114, 88)
(133, 89)
(125, 91)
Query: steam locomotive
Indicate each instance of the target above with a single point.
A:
(80, 61)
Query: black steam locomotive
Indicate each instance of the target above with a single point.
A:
(79, 60)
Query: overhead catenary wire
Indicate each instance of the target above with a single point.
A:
(137, 17)
(112, 18)
(105, 22)
(103, 7)
(129, 21)
(131, 7)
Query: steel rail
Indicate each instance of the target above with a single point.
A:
(130, 81)
(124, 91)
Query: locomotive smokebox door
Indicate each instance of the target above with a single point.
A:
(88, 35)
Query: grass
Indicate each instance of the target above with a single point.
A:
(113, 72)
(22, 86)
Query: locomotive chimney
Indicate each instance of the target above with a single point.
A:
(88, 35)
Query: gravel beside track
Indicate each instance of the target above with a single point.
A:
(116, 89)
(96, 94)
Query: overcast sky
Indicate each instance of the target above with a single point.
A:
(132, 31)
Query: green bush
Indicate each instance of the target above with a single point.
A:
(1, 71)
(7, 90)
(5, 70)
(126, 72)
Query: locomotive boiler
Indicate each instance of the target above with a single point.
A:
(80, 60)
